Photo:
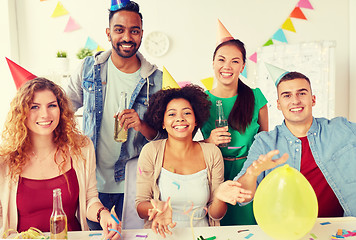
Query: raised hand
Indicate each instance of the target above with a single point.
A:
(161, 216)
(232, 192)
(265, 162)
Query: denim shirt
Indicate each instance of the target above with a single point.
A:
(88, 88)
(333, 145)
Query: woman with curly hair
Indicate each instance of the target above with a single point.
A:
(178, 177)
(41, 150)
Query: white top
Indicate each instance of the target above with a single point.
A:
(108, 150)
(186, 191)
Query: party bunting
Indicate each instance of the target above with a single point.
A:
(71, 25)
(168, 81)
(279, 36)
(297, 13)
(304, 4)
(269, 42)
(208, 83)
(91, 44)
(244, 72)
(59, 11)
(288, 25)
(100, 49)
(184, 83)
(253, 57)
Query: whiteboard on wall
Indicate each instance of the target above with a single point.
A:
(316, 60)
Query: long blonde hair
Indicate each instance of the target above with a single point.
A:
(16, 143)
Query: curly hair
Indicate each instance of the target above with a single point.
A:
(16, 143)
(194, 94)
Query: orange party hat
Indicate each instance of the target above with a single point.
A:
(223, 34)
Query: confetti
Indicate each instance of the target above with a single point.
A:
(313, 235)
(249, 235)
(116, 220)
(233, 147)
(176, 184)
(115, 231)
(94, 234)
(325, 223)
(141, 236)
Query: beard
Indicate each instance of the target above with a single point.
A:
(125, 53)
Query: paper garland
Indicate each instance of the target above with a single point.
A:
(287, 25)
(72, 25)
(279, 35)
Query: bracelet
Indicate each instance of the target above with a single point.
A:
(99, 211)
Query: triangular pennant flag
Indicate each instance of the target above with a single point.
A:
(288, 25)
(71, 25)
(253, 57)
(185, 83)
(100, 49)
(269, 42)
(276, 73)
(19, 74)
(168, 81)
(304, 4)
(91, 44)
(279, 36)
(223, 34)
(59, 11)
(297, 13)
(244, 72)
(208, 83)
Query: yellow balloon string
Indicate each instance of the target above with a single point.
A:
(31, 233)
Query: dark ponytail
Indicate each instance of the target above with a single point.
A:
(241, 113)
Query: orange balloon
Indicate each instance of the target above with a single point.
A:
(285, 205)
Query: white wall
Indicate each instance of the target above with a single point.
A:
(8, 48)
(352, 106)
(191, 27)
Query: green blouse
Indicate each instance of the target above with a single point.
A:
(242, 141)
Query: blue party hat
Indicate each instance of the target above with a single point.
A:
(117, 4)
(276, 73)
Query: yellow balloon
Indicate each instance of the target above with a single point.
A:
(285, 205)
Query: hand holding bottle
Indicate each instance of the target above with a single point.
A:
(220, 136)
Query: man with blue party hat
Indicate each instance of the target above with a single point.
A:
(323, 150)
(96, 87)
